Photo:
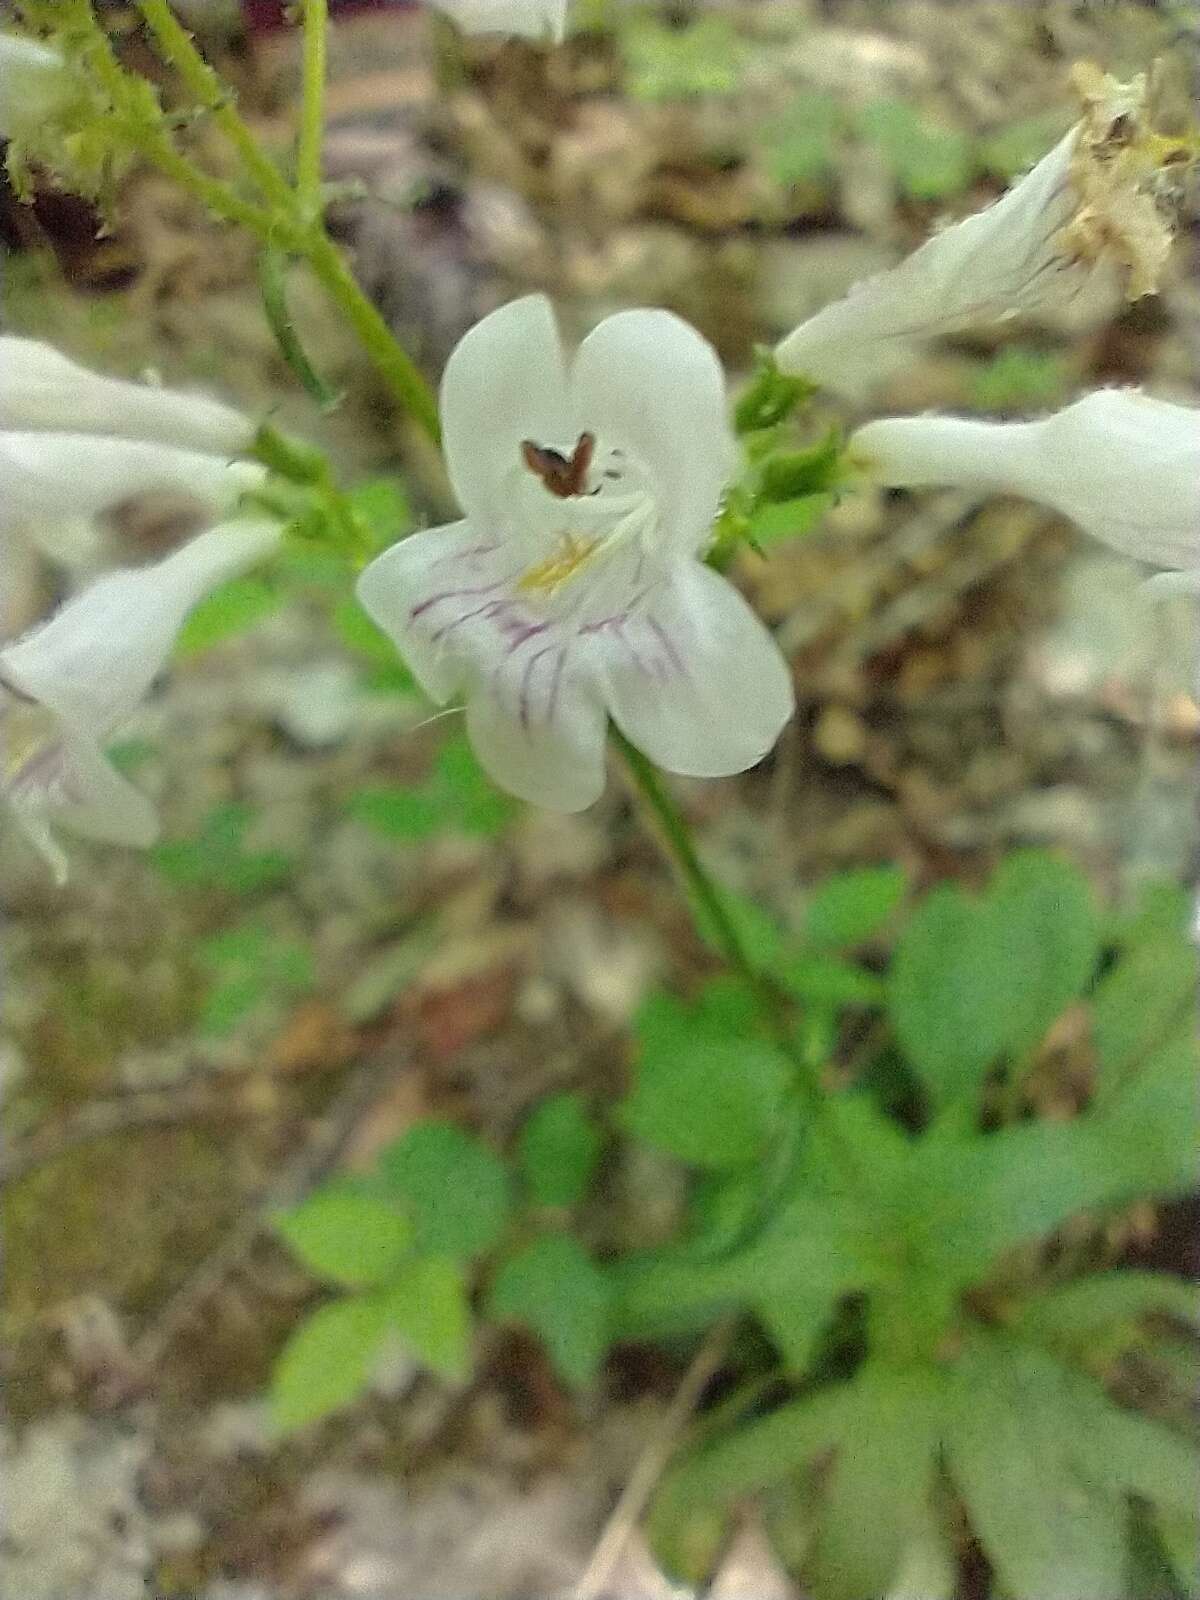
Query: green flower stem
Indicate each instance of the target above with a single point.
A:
(312, 121)
(391, 359)
(705, 894)
(177, 48)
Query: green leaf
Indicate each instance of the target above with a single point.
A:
(1143, 997)
(1104, 1306)
(426, 1304)
(1148, 1129)
(848, 909)
(482, 809)
(664, 63)
(346, 1234)
(1179, 1535)
(398, 813)
(824, 980)
(1019, 378)
(554, 1288)
(883, 1470)
(382, 505)
(559, 1148)
(787, 519)
(217, 857)
(800, 145)
(233, 608)
(456, 1191)
(764, 1452)
(771, 396)
(930, 162)
(1020, 144)
(327, 1360)
(796, 1321)
(709, 1098)
(1162, 907)
(947, 1002)
(1048, 1533)
(1051, 928)
(356, 630)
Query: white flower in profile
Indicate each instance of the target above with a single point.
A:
(573, 589)
(42, 389)
(34, 84)
(69, 684)
(1094, 203)
(529, 19)
(1123, 466)
(45, 477)
(48, 477)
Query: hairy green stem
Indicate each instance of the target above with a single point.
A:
(312, 117)
(178, 50)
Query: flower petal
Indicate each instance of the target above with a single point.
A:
(650, 384)
(50, 475)
(427, 592)
(530, 19)
(697, 681)
(74, 785)
(1123, 466)
(95, 659)
(505, 381)
(42, 389)
(538, 730)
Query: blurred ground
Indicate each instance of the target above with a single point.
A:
(970, 677)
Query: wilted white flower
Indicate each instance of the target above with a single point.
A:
(530, 19)
(573, 588)
(1123, 466)
(34, 84)
(48, 476)
(68, 685)
(42, 389)
(1095, 201)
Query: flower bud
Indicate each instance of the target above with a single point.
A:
(34, 84)
(1123, 466)
(40, 388)
(530, 19)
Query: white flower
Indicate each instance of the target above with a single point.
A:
(1125, 467)
(69, 684)
(50, 476)
(574, 588)
(530, 19)
(40, 388)
(1093, 202)
(34, 84)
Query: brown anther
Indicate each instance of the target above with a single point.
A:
(563, 476)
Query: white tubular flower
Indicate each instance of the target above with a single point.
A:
(529, 19)
(1094, 201)
(1122, 466)
(51, 476)
(69, 684)
(34, 84)
(42, 389)
(573, 587)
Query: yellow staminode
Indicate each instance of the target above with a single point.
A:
(549, 575)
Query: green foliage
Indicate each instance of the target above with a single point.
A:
(801, 145)
(232, 609)
(684, 1061)
(850, 908)
(554, 1288)
(456, 1192)
(426, 1304)
(931, 162)
(1020, 378)
(327, 1360)
(770, 397)
(346, 1234)
(559, 1147)
(975, 978)
(706, 56)
(457, 796)
(217, 857)
(1150, 989)
(249, 965)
